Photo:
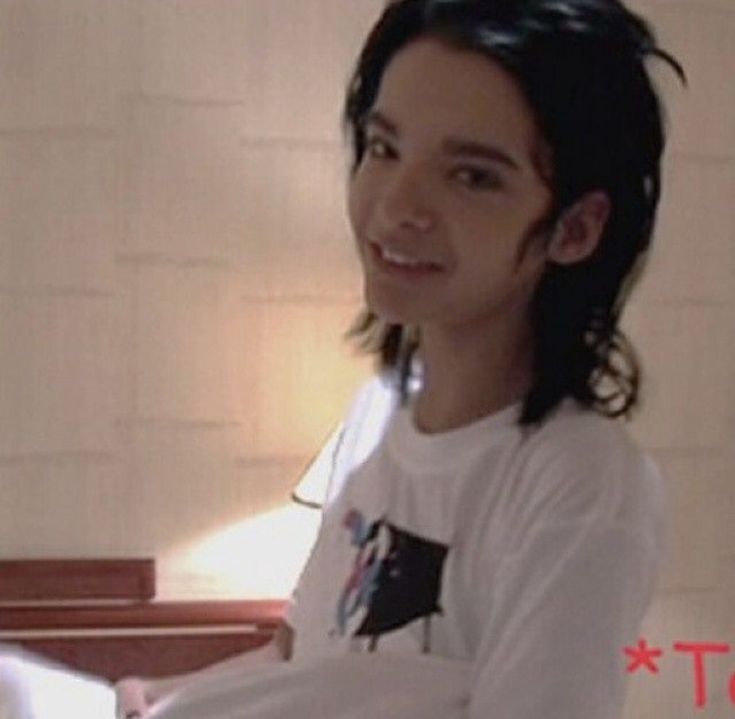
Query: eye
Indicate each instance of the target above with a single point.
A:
(477, 178)
(378, 148)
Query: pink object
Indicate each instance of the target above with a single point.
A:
(131, 699)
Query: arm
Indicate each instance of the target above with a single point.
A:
(136, 696)
(565, 607)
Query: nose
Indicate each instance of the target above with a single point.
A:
(404, 201)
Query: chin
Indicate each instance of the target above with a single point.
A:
(392, 318)
(390, 311)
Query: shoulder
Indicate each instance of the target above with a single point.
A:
(376, 392)
(362, 429)
(581, 466)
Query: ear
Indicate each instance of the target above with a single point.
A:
(578, 231)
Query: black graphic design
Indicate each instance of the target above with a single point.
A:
(396, 579)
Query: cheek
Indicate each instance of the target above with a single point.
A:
(357, 203)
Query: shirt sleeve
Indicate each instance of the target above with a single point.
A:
(348, 445)
(565, 605)
(315, 490)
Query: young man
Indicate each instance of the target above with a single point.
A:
(485, 511)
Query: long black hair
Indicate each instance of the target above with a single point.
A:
(581, 67)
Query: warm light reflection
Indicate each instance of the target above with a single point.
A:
(258, 558)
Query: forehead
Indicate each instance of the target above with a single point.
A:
(431, 89)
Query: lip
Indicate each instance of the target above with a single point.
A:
(404, 271)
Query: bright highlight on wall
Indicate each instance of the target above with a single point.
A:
(258, 558)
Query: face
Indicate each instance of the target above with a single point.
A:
(447, 192)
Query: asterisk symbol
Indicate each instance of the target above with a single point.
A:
(642, 655)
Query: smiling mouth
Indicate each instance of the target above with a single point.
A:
(395, 260)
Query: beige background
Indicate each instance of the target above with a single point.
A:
(176, 270)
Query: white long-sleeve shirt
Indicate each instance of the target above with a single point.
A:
(481, 573)
(529, 558)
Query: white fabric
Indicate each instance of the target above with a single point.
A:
(35, 688)
(553, 539)
(544, 547)
(354, 687)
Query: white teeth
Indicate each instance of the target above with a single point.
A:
(397, 259)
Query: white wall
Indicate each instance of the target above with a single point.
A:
(684, 323)
(175, 275)
(176, 270)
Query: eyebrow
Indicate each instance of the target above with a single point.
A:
(451, 145)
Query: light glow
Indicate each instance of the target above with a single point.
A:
(258, 558)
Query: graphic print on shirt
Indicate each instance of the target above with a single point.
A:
(395, 579)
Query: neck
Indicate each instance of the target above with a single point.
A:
(469, 375)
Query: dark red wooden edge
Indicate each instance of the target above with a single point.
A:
(77, 579)
(115, 657)
(265, 614)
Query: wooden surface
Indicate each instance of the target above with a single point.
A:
(77, 579)
(146, 656)
(94, 616)
(145, 639)
(265, 613)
